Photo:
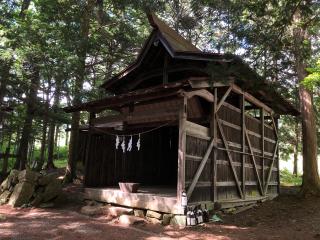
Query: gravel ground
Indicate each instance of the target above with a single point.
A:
(287, 217)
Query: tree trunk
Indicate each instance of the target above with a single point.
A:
(67, 136)
(295, 162)
(80, 73)
(296, 148)
(27, 126)
(50, 164)
(44, 135)
(6, 157)
(310, 180)
(52, 126)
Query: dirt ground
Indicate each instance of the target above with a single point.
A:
(287, 217)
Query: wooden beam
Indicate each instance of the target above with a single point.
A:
(271, 167)
(224, 97)
(181, 149)
(251, 98)
(229, 156)
(243, 143)
(274, 126)
(205, 94)
(196, 130)
(254, 163)
(200, 168)
(206, 82)
(214, 134)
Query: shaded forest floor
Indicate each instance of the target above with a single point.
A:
(287, 217)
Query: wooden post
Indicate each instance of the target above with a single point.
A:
(262, 144)
(182, 149)
(213, 132)
(92, 116)
(243, 143)
(278, 165)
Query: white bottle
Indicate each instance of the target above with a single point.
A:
(184, 199)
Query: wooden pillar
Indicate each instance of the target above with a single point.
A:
(243, 144)
(182, 149)
(262, 145)
(214, 134)
(278, 165)
(88, 152)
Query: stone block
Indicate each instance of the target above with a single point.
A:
(166, 218)
(153, 214)
(21, 194)
(118, 211)
(130, 220)
(153, 220)
(178, 220)
(139, 213)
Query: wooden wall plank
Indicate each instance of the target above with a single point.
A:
(197, 130)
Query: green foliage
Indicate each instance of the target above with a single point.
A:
(288, 179)
(313, 79)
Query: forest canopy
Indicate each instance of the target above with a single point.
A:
(57, 53)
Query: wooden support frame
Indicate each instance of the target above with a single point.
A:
(251, 98)
(243, 143)
(182, 149)
(214, 133)
(200, 168)
(224, 97)
(254, 163)
(262, 143)
(229, 156)
(271, 168)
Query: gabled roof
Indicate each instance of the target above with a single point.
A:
(174, 40)
(180, 48)
(177, 46)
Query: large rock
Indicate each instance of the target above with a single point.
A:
(52, 190)
(153, 214)
(179, 220)
(48, 178)
(4, 197)
(28, 176)
(10, 181)
(21, 194)
(4, 185)
(118, 211)
(130, 220)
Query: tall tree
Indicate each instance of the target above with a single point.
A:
(86, 13)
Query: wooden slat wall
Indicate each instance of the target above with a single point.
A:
(230, 117)
(154, 164)
(195, 150)
(197, 142)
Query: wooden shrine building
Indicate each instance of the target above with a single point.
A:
(206, 124)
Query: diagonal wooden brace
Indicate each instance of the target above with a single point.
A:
(204, 160)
